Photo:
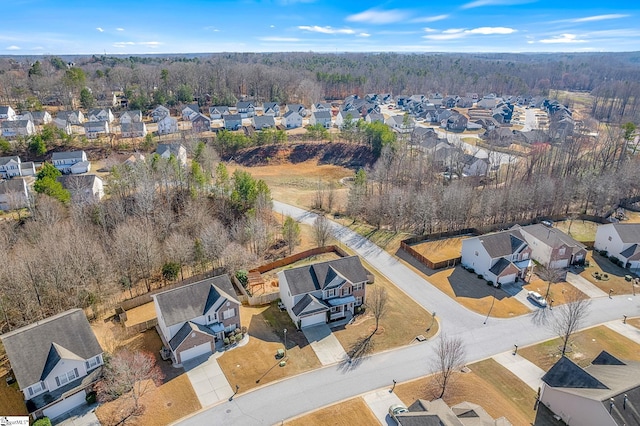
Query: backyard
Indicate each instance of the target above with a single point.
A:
(440, 250)
(580, 230)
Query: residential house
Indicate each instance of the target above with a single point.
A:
(438, 413)
(7, 113)
(263, 122)
(14, 193)
(401, 123)
(167, 125)
(374, 117)
(464, 102)
(200, 123)
(159, 113)
(192, 318)
(271, 108)
(75, 118)
(64, 161)
(299, 108)
(246, 109)
(449, 102)
(455, 123)
(55, 362)
(501, 257)
(291, 120)
(166, 150)
(83, 188)
(134, 159)
(321, 106)
(101, 114)
(41, 117)
(232, 121)
(16, 128)
(489, 101)
(217, 112)
(321, 117)
(605, 393)
(63, 125)
(423, 134)
(135, 129)
(10, 167)
(128, 117)
(553, 248)
(346, 116)
(28, 168)
(321, 292)
(474, 166)
(190, 111)
(25, 115)
(92, 129)
(621, 240)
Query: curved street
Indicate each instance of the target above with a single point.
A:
(278, 401)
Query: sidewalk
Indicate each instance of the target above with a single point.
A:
(526, 371)
(584, 285)
(379, 403)
(628, 331)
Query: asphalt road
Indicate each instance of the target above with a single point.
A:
(297, 395)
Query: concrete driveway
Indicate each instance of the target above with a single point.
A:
(527, 371)
(327, 348)
(84, 415)
(208, 380)
(379, 403)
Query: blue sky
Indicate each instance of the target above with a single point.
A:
(141, 26)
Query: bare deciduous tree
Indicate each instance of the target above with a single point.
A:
(321, 230)
(449, 358)
(376, 303)
(568, 317)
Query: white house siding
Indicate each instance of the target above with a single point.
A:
(187, 354)
(481, 263)
(602, 242)
(559, 264)
(575, 410)
(64, 366)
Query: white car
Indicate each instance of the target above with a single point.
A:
(396, 409)
(537, 298)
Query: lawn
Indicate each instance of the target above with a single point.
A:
(584, 347)
(383, 238)
(580, 230)
(352, 412)
(440, 250)
(11, 399)
(632, 217)
(255, 364)
(488, 384)
(616, 274)
(557, 291)
(472, 292)
(403, 321)
(140, 314)
(634, 322)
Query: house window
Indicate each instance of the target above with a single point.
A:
(335, 309)
(358, 286)
(67, 377)
(358, 300)
(93, 362)
(561, 251)
(346, 291)
(331, 293)
(36, 389)
(229, 313)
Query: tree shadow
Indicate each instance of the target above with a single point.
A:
(542, 317)
(357, 352)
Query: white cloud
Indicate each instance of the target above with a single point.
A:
(326, 30)
(598, 18)
(280, 39)
(272, 26)
(100, 29)
(13, 47)
(119, 29)
(427, 19)
(122, 44)
(480, 3)
(429, 30)
(563, 38)
(150, 43)
(364, 35)
(374, 16)
(456, 33)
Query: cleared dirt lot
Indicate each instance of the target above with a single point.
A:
(440, 250)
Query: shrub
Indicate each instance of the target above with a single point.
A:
(490, 282)
(238, 337)
(244, 330)
(613, 258)
(226, 341)
(45, 421)
(605, 275)
(243, 276)
(603, 253)
(471, 270)
(499, 285)
(480, 276)
(90, 398)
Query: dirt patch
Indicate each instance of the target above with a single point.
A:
(584, 347)
(353, 412)
(440, 250)
(141, 314)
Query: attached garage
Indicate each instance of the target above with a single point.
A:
(559, 264)
(196, 351)
(310, 320)
(65, 405)
(507, 279)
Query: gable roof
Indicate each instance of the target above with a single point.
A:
(33, 349)
(264, 120)
(67, 155)
(628, 232)
(185, 331)
(553, 237)
(191, 301)
(308, 305)
(173, 148)
(6, 160)
(134, 126)
(499, 266)
(605, 358)
(503, 243)
(322, 115)
(290, 113)
(74, 182)
(567, 374)
(15, 185)
(219, 109)
(232, 117)
(306, 279)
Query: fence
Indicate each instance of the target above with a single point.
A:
(140, 327)
(299, 256)
(263, 299)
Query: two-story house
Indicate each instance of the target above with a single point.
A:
(9, 167)
(134, 116)
(322, 118)
(166, 150)
(621, 240)
(200, 123)
(41, 117)
(345, 117)
(232, 121)
(190, 111)
(299, 108)
(159, 113)
(54, 362)
(501, 257)
(167, 125)
(75, 118)
(63, 125)
(83, 188)
(134, 129)
(192, 318)
(401, 123)
(93, 129)
(271, 108)
(218, 111)
(553, 248)
(246, 109)
(260, 122)
(14, 193)
(16, 128)
(65, 162)
(101, 114)
(7, 113)
(318, 293)
(291, 120)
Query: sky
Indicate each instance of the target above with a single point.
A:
(44, 27)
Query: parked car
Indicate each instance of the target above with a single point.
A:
(396, 409)
(536, 297)
(547, 223)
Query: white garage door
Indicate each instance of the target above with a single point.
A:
(320, 318)
(557, 264)
(507, 279)
(188, 354)
(65, 405)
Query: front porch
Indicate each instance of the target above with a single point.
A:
(341, 307)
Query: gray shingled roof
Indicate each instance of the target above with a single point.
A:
(232, 117)
(173, 148)
(628, 232)
(308, 305)
(264, 120)
(184, 332)
(566, 374)
(191, 301)
(66, 155)
(551, 236)
(322, 115)
(499, 266)
(503, 243)
(75, 182)
(33, 350)
(307, 279)
(5, 160)
(137, 126)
